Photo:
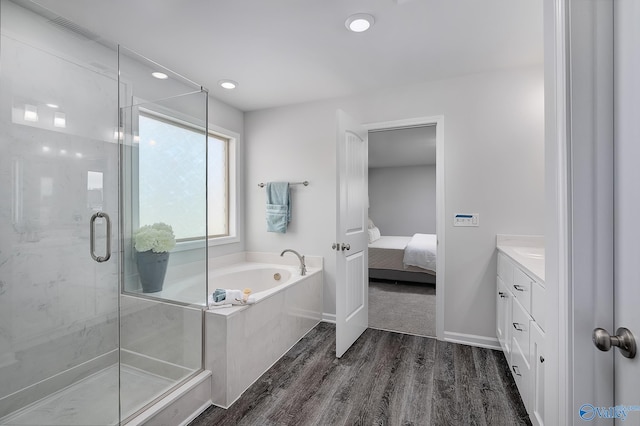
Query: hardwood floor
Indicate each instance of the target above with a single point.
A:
(384, 379)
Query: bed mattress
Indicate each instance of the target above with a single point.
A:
(388, 253)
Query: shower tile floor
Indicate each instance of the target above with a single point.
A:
(94, 400)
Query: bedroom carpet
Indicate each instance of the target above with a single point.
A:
(403, 307)
(383, 379)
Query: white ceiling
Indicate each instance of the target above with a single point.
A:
(403, 147)
(291, 51)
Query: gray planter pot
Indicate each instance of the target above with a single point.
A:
(152, 268)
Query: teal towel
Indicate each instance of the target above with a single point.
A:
(219, 295)
(278, 207)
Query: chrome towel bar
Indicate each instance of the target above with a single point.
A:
(305, 183)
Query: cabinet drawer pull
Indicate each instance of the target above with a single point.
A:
(519, 287)
(516, 370)
(501, 293)
(517, 326)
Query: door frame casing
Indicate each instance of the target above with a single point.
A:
(578, 203)
(438, 121)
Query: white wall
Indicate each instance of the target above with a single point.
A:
(402, 200)
(493, 166)
(228, 118)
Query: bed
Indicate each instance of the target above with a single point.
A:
(403, 258)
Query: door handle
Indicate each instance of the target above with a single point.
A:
(92, 237)
(518, 287)
(341, 246)
(502, 295)
(517, 326)
(623, 339)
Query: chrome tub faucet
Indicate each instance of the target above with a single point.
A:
(303, 267)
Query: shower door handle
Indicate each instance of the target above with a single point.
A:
(92, 237)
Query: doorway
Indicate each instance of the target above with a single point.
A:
(406, 232)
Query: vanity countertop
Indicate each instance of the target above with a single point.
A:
(526, 250)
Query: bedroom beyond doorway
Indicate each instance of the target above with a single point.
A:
(403, 231)
(403, 307)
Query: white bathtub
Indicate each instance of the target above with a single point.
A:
(260, 277)
(242, 342)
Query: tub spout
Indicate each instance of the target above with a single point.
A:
(303, 267)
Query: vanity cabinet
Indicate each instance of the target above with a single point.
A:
(520, 331)
(536, 409)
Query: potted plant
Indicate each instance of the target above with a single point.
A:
(152, 244)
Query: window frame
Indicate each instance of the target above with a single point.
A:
(232, 178)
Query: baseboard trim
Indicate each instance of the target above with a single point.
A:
(329, 318)
(472, 340)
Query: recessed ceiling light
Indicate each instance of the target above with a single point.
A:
(54, 106)
(160, 75)
(359, 22)
(228, 84)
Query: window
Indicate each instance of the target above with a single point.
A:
(174, 177)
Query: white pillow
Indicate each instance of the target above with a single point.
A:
(374, 234)
(371, 225)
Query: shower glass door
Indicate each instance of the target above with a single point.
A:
(163, 134)
(59, 333)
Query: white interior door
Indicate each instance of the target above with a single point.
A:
(604, 106)
(627, 197)
(352, 273)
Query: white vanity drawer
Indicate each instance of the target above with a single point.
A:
(520, 371)
(522, 288)
(538, 304)
(520, 329)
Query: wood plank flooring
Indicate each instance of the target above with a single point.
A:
(384, 379)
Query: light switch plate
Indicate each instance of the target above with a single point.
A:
(466, 219)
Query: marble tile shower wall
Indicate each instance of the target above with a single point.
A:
(58, 308)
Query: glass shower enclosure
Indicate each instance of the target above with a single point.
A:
(81, 341)
(163, 162)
